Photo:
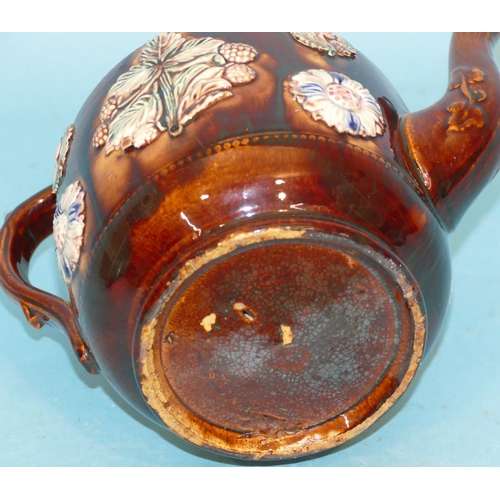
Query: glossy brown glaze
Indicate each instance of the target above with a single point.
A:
(252, 276)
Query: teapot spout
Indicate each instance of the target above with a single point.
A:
(453, 146)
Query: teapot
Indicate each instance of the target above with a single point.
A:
(254, 232)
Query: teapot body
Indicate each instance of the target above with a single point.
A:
(253, 271)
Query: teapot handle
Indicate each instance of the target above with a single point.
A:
(24, 229)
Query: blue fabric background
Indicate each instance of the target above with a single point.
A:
(53, 413)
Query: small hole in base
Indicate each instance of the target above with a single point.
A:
(248, 315)
(244, 311)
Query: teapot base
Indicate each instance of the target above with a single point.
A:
(280, 343)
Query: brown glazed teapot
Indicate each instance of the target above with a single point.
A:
(254, 232)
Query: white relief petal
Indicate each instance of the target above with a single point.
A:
(136, 81)
(321, 76)
(168, 97)
(204, 86)
(333, 116)
(351, 84)
(60, 262)
(144, 135)
(197, 50)
(212, 98)
(315, 103)
(75, 229)
(191, 92)
(60, 228)
(313, 76)
(69, 197)
(162, 46)
(71, 250)
(136, 125)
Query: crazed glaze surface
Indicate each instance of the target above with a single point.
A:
(260, 161)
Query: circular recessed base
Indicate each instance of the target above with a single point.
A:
(279, 337)
(280, 343)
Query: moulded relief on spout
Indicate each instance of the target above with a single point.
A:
(466, 111)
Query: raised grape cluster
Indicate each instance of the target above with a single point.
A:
(239, 74)
(237, 52)
(100, 136)
(108, 110)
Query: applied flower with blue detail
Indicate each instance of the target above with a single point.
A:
(68, 229)
(340, 102)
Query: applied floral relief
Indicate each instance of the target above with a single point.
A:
(327, 42)
(61, 157)
(174, 80)
(340, 102)
(69, 223)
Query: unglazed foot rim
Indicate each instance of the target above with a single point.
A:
(206, 414)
